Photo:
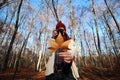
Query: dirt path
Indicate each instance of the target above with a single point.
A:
(87, 73)
(22, 74)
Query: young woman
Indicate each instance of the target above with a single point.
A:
(61, 64)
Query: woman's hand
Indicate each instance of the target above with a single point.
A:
(54, 33)
(67, 57)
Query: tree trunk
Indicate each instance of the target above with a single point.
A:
(39, 67)
(87, 45)
(1, 27)
(98, 39)
(55, 11)
(94, 42)
(111, 36)
(4, 67)
(19, 55)
(91, 59)
(107, 51)
(117, 25)
(3, 2)
(7, 29)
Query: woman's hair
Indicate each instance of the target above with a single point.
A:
(67, 37)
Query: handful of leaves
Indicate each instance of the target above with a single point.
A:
(59, 43)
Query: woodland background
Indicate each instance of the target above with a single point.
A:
(26, 26)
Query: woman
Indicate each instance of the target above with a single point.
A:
(61, 64)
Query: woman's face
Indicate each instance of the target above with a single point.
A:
(62, 31)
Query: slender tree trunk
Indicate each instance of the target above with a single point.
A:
(89, 51)
(1, 27)
(8, 31)
(39, 66)
(83, 60)
(111, 36)
(3, 37)
(94, 40)
(107, 51)
(4, 67)
(98, 39)
(13, 14)
(109, 59)
(19, 55)
(55, 11)
(117, 25)
(11, 64)
(4, 22)
(3, 2)
(71, 20)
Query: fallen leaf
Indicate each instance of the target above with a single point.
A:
(59, 43)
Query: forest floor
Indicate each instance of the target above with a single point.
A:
(87, 73)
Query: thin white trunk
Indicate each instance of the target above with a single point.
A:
(38, 64)
(40, 54)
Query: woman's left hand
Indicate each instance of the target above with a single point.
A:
(66, 56)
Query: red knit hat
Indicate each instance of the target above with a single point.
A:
(60, 24)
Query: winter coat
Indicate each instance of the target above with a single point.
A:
(50, 63)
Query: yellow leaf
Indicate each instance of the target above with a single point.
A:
(65, 44)
(53, 44)
(59, 43)
(59, 39)
(53, 49)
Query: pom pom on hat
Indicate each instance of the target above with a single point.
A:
(60, 24)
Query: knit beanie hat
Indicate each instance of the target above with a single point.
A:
(59, 25)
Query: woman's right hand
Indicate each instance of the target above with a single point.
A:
(54, 33)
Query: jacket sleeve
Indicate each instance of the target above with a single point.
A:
(73, 49)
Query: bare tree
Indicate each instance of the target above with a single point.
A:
(1, 27)
(53, 8)
(3, 2)
(8, 29)
(98, 38)
(19, 54)
(111, 36)
(117, 25)
(92, 62)
(13, 38)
